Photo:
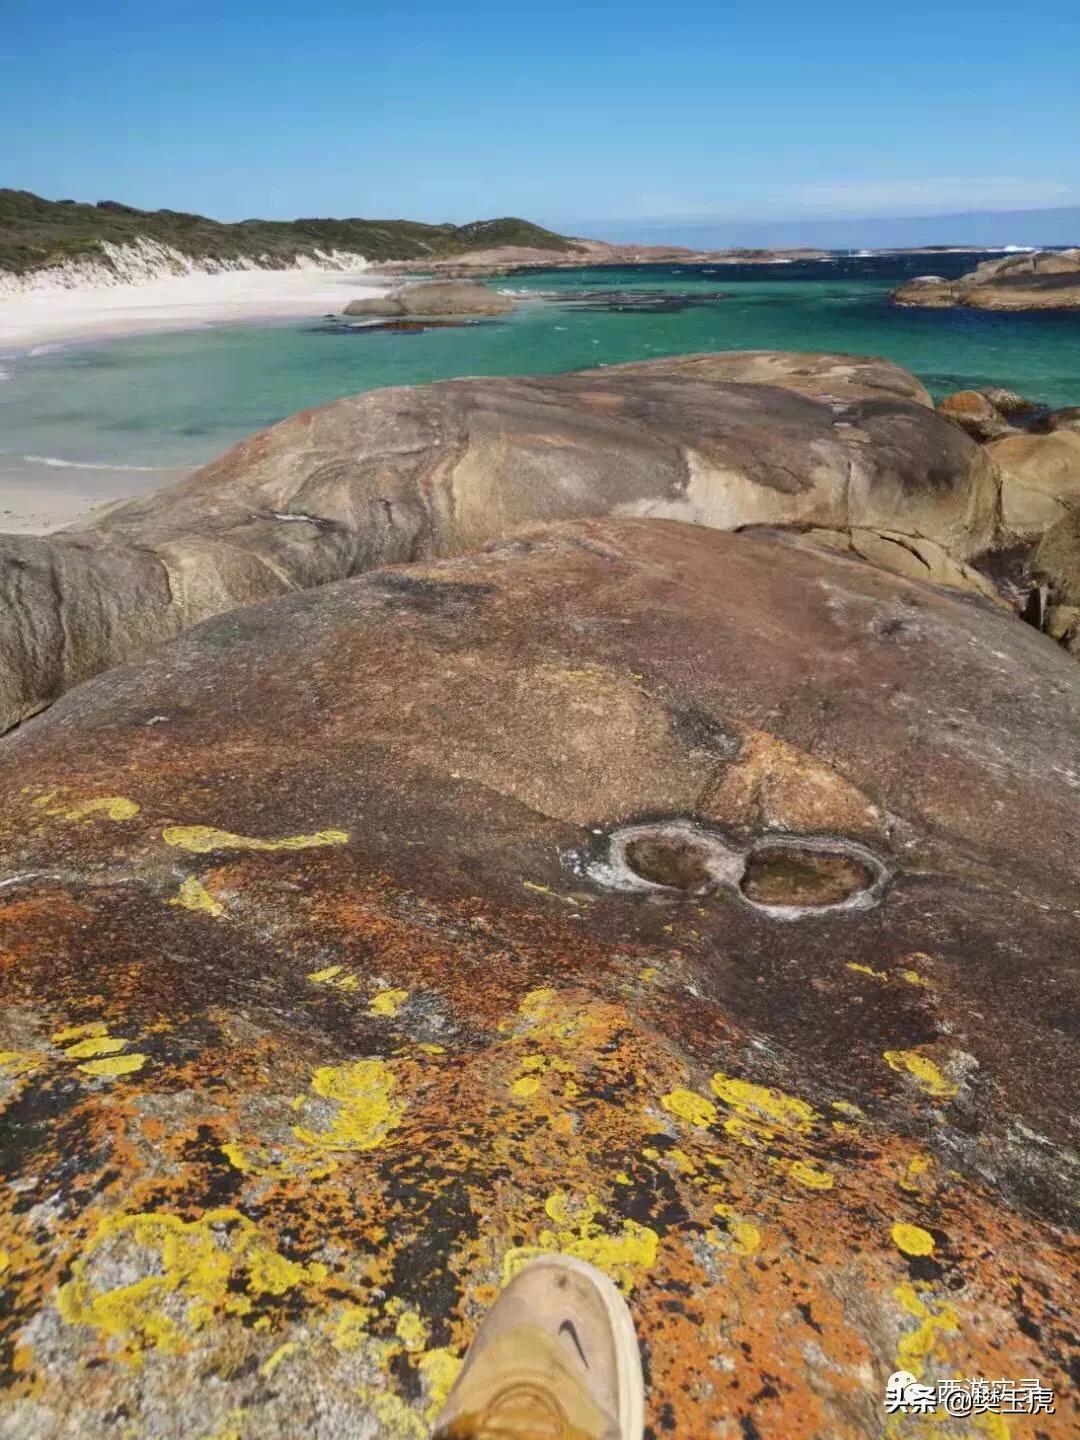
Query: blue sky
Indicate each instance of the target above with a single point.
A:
(576, 114)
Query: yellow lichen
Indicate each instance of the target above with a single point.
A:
(395, 1419)
(867, 970)
(350, 1328)
(387, 1002)
(525, 1086)
(916, 1346)
(923, 1071)
(77, 1032)
(99, 1045)
(763, 1103)
(917, 1167)
(810, 1176)
(14, 1063)
(204, 839)
(281, 1353)
(845, 1107)
(411, 1330)
(112, 807)
(335, 976)
(690, 1106)
(186, 1274)
(546, 1016)
(619, 1253)
(115, 1065)
(439, 1368)
(742, 1237)
(193, 895)
(366, 1110)
(912, 1239)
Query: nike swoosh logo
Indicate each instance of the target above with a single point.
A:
(568, 1327)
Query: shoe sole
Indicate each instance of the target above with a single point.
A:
(630, 1383)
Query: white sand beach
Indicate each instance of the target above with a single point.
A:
(180, 302)
(36, 501)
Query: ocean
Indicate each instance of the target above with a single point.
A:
(160, 403)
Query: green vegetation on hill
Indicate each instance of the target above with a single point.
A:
(35, 233)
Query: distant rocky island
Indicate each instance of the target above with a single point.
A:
(1043, 280)
(505, 260)
(64, 244)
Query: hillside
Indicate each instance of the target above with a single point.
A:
(38, 235)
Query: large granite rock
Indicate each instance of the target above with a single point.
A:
(406, 474)
(1040, 480)
(435, 297)
(1048, 280)
(1056, 566)
(701, 904)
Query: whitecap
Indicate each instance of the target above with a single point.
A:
(56, 463)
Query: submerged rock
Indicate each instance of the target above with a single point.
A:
(700, 904)
(406, 474)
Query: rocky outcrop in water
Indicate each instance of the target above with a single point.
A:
(1049, 280)
(701, 904)
(727, 440)
(436, 297)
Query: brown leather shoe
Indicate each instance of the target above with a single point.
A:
(555, 1359)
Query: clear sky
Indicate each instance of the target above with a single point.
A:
(569, 113)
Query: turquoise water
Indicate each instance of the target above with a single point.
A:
(180, 399)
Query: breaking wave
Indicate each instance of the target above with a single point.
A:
(56, 463)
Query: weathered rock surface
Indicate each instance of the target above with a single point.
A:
(1040, 479)
(976, 413)
(336, 986)
(437, 297)
(990, 413)
(1049, 280)
(404, 474)
(913, 556)
(1056, 564)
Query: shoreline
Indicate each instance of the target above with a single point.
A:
(178, 302)
(37, 321)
